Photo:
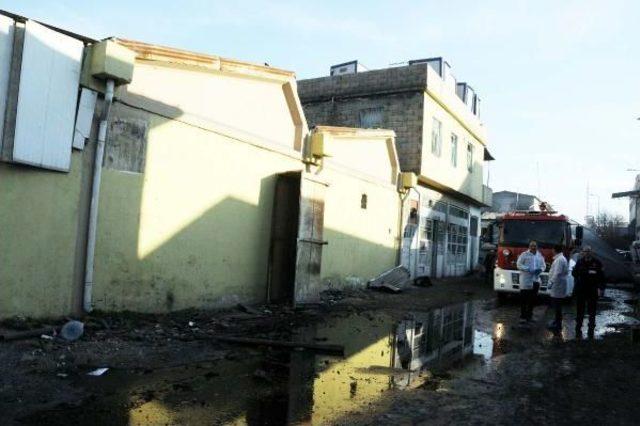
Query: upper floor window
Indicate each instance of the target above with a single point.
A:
(436, 137)
(371, 118)
(469, 156)
(454, 150)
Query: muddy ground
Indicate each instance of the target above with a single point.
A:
(166, 369)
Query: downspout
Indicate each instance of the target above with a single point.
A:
(95, 198)
(415, 260)
(403, 199)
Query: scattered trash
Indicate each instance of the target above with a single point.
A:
(62, 375)
(391, 281)
(422, 282)
(192, 324)
(387, 288)
(98, 372)
(72, 330)
(46, 337)
(248, 309)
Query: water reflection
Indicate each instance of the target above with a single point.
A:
(276, 387)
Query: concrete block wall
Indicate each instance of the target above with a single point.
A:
(388, 80)
(401, 112)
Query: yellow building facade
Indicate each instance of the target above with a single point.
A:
(196, 147)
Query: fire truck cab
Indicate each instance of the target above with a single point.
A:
(514, 232)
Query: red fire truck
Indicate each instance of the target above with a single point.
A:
(515, 230)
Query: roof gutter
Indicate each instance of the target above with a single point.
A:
(23, 19)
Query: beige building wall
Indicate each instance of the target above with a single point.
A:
(195, 146)
(362, 205)
(38, 231)
(189, 224)
(439, 168)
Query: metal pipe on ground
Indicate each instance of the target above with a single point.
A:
(28, 334)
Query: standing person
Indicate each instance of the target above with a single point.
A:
(558, 284)
(489, 266)
(530, 264)
(589, 277)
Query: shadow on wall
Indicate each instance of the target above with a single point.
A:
(217, 260)
(194, 229)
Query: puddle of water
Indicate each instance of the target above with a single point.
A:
(275, 387)
(483, 344)
(382, 352)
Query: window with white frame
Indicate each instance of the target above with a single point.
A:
(458, 212)
(436, 137)
(457, 243)
(454, 150)
(469, 157)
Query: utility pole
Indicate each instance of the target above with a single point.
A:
(586, 216)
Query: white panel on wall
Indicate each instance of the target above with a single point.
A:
(7, 27)
(86, 108)
(47, 98)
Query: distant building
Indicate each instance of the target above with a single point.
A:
(439, 137)
(634, 207)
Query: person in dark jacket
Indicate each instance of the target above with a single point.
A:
(589, 285)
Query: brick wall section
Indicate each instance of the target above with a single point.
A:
(338, 101)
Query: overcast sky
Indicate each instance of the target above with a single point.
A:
(559, 79)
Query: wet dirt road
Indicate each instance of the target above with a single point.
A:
(467, 363)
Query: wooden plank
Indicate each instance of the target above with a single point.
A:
(310, 232)
(19, 335)
(316, 347)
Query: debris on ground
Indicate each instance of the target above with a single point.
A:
(142, 347)
(247, 309)
(27, 334)
(387, 288)
(98, 371)
(422, 282)
(72, 331)
(391, 281)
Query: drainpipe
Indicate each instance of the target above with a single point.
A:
(415, 254)
(403, 200)
(95, 198)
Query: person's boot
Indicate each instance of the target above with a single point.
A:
(578, 333)
(591, 333)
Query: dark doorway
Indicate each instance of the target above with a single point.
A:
(284, 238)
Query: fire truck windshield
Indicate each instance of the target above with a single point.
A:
(520, 232)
